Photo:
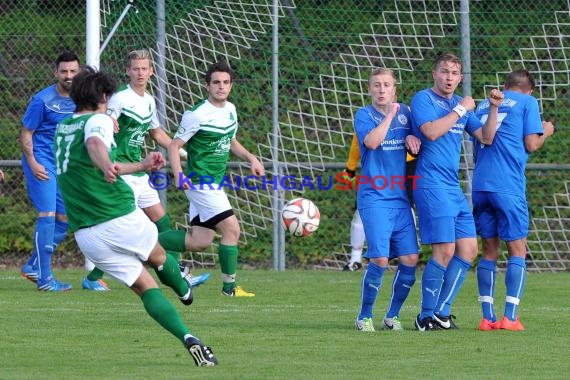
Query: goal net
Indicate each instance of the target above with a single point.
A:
(326, 55)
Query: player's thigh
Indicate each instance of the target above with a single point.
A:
(484, 215)
(119, 246)
(206, 204)
(404, 239)
(42, 193)
(512, 216)
(436, 214)
(464, 222)
(378, 225)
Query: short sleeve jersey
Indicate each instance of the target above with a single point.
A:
(136, 115)
(385, 166)
(500, 167)
(208, 131)
(45, 110)
(438, 161)
(88, 198)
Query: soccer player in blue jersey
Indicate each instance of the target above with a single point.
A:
(45, 110)
(439, 118)
(499, 195)
(384, 132)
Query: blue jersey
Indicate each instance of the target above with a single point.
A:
(438, 161)
(46, 109)
(385, 166)
(500, 167)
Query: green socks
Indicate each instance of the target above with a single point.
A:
(95, 274)
(228, 262)
(162, 311)
(169, 275)
(173, 240)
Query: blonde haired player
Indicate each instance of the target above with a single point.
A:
(134, 111)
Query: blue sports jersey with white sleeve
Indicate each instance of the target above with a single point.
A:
(500, 167)
(385, 166)
(46, 109)
(438, 162)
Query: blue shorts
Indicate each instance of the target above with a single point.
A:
(502, 215)
(44, 195)
(444, 215)
(390, 232)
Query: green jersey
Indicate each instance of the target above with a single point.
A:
(136, 115)
(208, 132)
(88, 198)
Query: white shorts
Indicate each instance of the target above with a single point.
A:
(145, 196)
(207, 203)
(119, 246)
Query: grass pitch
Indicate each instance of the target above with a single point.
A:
(299, 326)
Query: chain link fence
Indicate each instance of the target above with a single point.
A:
(326, 51)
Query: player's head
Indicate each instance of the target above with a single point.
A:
(67, 66)
(91, 89)
(446, 74)
(139, 68)
(219, 79)
(521, 81)
(382, 86)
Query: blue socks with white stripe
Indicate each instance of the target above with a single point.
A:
(515, 280)
(486, 278)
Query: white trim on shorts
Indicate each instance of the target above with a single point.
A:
(119, 246)
(145, 196)
(207, 203)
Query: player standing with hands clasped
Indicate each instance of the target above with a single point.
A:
(384, 132)
(446, 222)
(499, 195)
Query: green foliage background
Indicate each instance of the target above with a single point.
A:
(32, 32)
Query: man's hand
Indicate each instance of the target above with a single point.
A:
(394, 109)
(39, 171)
(257, 167)
(468, 103)
(496, 97)
(549, 128)
(153, 161)
(111, 172)
(413, 144)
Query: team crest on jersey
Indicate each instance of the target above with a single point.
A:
(232, 118)
(403, 119)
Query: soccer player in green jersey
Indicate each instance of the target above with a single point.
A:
(209, 132)
(134, 110)
(108, 227)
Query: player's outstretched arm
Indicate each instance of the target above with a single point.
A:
(240, 151)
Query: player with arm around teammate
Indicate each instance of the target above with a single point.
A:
(134, 110)
(500, 206)
(108, 227)
(384, 131)
(445, 219)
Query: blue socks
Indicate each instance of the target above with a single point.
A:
(43, 242)
(371, 283)
(432, 279)
(404, 279)
(60, 232)
(453, 279)
(486, 277)
(515, 280)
